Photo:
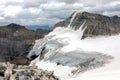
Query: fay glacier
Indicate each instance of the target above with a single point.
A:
(72, 58)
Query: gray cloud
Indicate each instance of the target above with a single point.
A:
(68, 1)
(48, 12)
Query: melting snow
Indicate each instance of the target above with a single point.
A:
(63, 52)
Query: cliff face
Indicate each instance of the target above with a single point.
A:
(96, 24)
(16, 40)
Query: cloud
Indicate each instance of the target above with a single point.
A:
(49, 12)
(12, 10)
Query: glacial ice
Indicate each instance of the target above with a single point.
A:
(64, 52)
(65, 49)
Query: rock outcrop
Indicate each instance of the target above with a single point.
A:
(13, 72)
(96, 24)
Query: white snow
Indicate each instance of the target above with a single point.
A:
(107, 45)
(73, 17)
(65, 46)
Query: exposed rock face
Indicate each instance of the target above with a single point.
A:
(16, 40)
(13, 72)
(9, 49)
(96, 24)
(21, 60)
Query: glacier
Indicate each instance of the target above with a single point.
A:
(72, 58)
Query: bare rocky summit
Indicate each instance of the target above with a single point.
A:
(96, 24)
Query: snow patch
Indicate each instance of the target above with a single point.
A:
(63, 52)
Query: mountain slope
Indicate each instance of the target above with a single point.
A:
(96, 24)
(16, 40)
(16, 31)
(72, 58)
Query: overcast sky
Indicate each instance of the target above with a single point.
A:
(49, 12)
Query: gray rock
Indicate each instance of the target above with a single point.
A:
(2, 69)
(16, 40)
(14, 72)
(96, 24)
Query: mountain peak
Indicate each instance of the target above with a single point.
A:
(85, 12)
(97, 24)
(13, 25)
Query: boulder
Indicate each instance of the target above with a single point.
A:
(15, 72)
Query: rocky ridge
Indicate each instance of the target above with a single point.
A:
(96, 24)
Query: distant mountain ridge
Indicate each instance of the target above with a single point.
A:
(15, 31)
(96, 24)
(35, 27)
(16, 40)
(16, 26)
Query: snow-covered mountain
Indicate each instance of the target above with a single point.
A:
(72, 58)
(97, 24)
